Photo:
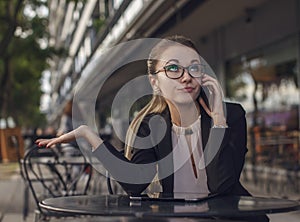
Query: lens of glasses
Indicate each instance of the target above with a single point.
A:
(175, 71)
(196, 70)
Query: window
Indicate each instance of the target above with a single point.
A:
(265, 82)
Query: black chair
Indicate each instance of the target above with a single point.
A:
(112, 186)
(108, 183)
(50, 174)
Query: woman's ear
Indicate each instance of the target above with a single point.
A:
(153, 81)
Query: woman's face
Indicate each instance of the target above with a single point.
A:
(185, 89)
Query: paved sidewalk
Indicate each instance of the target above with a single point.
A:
(12, 198)
(12, 194)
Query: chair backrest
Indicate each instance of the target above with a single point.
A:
(49, 174)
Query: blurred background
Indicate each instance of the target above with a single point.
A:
(48, 47)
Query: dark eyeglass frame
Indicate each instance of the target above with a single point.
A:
(183, 70)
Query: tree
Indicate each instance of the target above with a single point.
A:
(23, 27)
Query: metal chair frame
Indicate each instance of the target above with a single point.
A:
(54, 176)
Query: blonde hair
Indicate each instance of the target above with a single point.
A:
(157, 104)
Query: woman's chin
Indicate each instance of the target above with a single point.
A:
(183, 101)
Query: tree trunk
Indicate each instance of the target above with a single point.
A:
(6, 85)
(12, 12)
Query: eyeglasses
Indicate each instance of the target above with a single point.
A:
(174, 71)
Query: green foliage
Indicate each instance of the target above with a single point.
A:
(98, 23)
(22, 60)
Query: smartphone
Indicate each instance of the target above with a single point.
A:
(206, 96)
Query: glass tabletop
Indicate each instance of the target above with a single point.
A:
(123, 205)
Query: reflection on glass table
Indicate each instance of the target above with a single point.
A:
(122, 205)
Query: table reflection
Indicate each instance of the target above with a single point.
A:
(121, 205)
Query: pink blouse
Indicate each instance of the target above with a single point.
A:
(189, 167)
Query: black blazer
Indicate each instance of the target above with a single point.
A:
(224, 151)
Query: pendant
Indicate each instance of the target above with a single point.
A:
(188, 131)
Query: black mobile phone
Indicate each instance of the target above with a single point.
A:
(174, 197)
(206, 96)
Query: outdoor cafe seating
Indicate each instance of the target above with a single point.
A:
(60, 187)
(47, 173)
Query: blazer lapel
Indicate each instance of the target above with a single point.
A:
(205, 126)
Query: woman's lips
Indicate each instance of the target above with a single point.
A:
(187, 89)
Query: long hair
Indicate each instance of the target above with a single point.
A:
(157, 104)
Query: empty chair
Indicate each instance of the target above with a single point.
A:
(49, 174)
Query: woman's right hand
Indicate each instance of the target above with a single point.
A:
(65, 138)
(82, 131)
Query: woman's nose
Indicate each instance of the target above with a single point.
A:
(186, 76)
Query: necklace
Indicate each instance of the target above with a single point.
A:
(187, 130)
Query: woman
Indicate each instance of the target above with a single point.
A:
(207, 147)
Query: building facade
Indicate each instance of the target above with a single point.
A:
(253, 47)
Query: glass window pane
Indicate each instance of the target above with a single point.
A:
(265, 82)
